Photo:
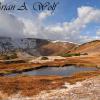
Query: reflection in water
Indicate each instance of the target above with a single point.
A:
(63, 71)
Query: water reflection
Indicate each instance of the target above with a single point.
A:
(63, 71)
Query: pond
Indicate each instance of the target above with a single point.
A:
(63, 71)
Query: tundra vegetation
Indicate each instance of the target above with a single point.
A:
(44, 58)
(73, 54)
(10, 56)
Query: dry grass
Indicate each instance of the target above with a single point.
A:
(81, 76)
(8, 68)
(16, 67)
(32, 85)
(27, 85)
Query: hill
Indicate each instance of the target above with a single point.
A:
(56, 48)
(33, 46)
(92, 47)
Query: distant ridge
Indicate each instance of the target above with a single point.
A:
(43, 47)
(89, 47)
(33, 46)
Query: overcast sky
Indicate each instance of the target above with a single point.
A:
(73, 20)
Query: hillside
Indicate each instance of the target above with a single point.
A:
(33, 46)
(92, 47)
(56, 48)
(42, 47)
(85, 90)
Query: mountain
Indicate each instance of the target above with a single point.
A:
(56, 48)
(33, 46)
(92, 47)
(25, 47)
(22, 45)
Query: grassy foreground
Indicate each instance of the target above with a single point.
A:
(18, 66)
(32, 85)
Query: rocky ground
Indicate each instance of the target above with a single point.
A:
(18, 66)
(86, 90)
(50, 87)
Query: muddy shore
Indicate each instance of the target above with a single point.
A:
(19, 66)
(32, 85)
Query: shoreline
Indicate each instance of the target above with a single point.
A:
(32, 85)
(19, 66)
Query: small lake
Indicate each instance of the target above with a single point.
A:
(63, 71)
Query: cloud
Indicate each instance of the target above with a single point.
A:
(19, 27)
(35, 28)
(30, 28)
(69, 31)
(10, 25)
(2, 0)
(44, 15)
(89, 14)
(98, 32)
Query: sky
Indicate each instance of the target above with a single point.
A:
(72, 20)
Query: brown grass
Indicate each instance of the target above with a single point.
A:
(81, 76)
(31, 85)
(8, 68)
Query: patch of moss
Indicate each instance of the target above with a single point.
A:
(70, 55)
(44, 58)
(5, 72)
(73, 54)
(10, 56)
